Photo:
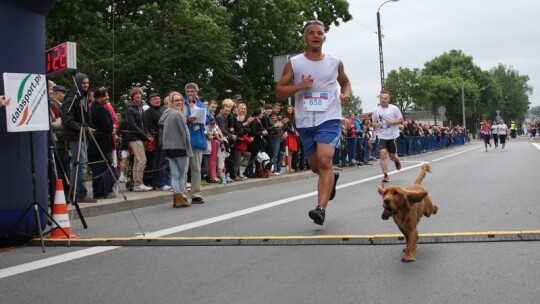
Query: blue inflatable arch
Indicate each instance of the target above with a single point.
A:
(22, 50)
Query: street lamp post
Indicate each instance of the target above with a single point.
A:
(463, 103)
(381, 62)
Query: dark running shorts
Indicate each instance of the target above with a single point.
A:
(389, 145)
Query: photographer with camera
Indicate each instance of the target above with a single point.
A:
(75, 117)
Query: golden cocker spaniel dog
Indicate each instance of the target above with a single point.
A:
(406, 207)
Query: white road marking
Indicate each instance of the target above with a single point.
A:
(11, 271)
(457, 153)
(14, 270)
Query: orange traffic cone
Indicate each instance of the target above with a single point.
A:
(60, 214)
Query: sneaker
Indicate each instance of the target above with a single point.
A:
(317, 215)
(333, 194)
(238, 179)
(277, 173)
(141, 188)
(398, 165)
(229, 180)
(386, 179)
(165, 188)
(122, 178)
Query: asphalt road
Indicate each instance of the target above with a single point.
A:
(485, 200)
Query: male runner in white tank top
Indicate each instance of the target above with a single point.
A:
(311, 77)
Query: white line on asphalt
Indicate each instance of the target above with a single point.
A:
(10, 271)
(457, 153)
(537, 146)
(7, 272)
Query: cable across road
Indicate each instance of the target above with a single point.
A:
(346, 239)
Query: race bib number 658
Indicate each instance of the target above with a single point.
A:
(315, 101)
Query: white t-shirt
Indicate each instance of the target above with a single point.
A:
(494, 129)
(380, 115)
(325, 89)
(502, 129)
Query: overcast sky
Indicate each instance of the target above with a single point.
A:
(416, 31)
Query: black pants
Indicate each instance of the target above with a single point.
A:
(102, 180)
(230, 162)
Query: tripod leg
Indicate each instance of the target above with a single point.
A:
(72, 197)
(81, 217)
(35, 202)
(109, 168)
(38, 220)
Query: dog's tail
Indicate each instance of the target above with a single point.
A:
(425, 168)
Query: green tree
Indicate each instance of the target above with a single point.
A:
(404, 85)
(224, 46)
(535, 111)
(263, 29)
(454, 70)
(157, 45)
(88, 24)
(355, 106)
(515, 92)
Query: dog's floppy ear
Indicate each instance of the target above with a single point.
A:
(415, 196)
(380, 189)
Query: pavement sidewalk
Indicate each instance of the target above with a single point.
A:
(136, 200)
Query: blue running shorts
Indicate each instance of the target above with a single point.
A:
(329, 132)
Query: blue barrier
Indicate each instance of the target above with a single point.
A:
(406, 146)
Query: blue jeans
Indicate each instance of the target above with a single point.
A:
(358, 155)
(276, 157)
(83, 166)
(351, 147)
(161, 175)
(179, 168)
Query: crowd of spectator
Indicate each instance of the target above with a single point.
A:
(533, 128)
(227, 141)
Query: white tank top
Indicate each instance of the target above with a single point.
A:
(324, 73)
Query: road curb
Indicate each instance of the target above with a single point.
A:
(135, 200)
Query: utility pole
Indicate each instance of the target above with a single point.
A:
(381, 61)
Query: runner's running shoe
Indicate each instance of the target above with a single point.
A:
(317, 215)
